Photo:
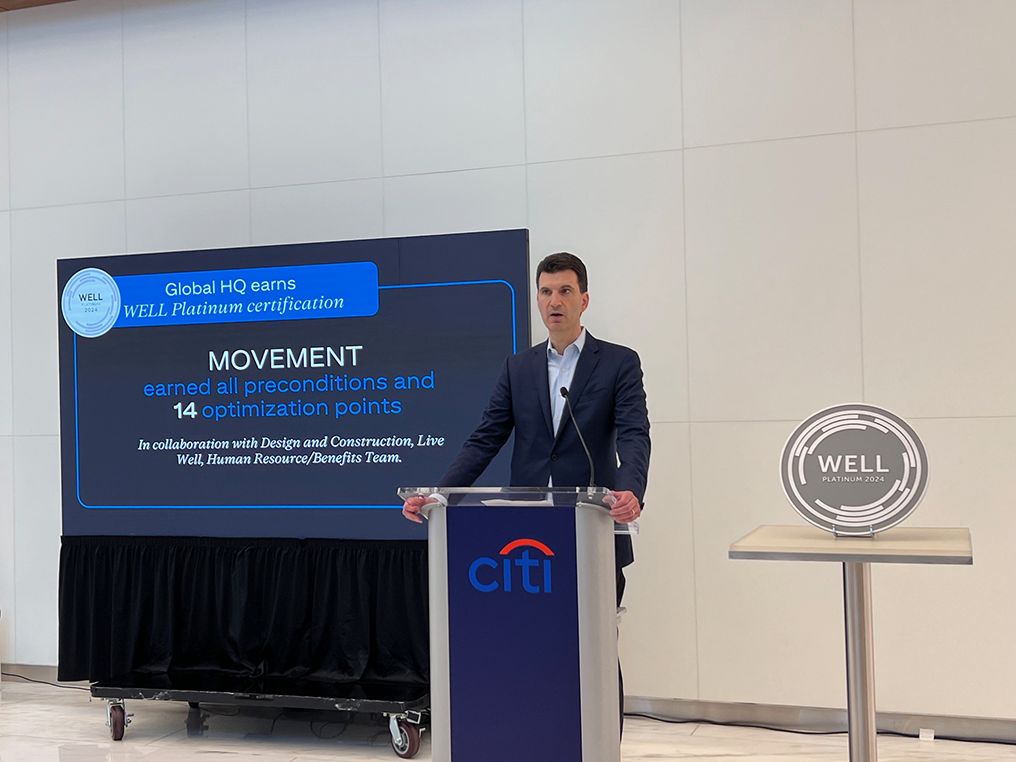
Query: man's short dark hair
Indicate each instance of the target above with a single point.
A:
(556, 263)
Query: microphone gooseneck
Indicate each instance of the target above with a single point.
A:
(571, 414)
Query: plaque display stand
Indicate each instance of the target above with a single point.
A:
(910, 545)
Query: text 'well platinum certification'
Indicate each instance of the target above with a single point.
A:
(854, 469)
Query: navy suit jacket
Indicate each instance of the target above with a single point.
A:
(610, 407)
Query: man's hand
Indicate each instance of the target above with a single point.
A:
(625, 508)
(411, 508)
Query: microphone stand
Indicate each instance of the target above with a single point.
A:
(571, 414)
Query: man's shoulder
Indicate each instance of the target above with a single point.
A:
(527, 355)
(618, 352)
(615, 352)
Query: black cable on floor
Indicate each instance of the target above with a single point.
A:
(645, 716)
(271, 730)
(896, 733)
(320, 733)
(204, 708)
(44, 682)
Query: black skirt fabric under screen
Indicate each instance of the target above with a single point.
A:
(332, 610)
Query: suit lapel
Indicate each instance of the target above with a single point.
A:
(588, 359)
(542, 376)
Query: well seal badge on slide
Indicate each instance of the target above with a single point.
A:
(90, 302)
(854, 469)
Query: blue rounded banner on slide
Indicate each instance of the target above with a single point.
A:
(90, 302)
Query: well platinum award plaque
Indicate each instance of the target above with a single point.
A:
(854, 469)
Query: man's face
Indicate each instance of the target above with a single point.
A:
(560, 301)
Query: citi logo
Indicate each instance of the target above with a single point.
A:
(534, 574)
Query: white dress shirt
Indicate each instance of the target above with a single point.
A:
(560, 372)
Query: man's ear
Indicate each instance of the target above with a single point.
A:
(585, 301)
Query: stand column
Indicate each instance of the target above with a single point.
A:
(860, 662)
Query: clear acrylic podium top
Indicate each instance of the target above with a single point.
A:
(594, 498)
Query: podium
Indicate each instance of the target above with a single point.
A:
(523, 624)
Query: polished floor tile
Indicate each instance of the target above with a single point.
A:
(40, 723)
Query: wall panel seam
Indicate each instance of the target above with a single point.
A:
(13, 639)
(860, 263)
(687, 347)
(853, 58)
(381, 121)
(857, 198)
(246, 81)
(14, 560)
(525, 120)
(525, 117)
(123, 113)
(859, 131)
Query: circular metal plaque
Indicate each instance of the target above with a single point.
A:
(854, 469)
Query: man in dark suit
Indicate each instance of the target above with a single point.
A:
(604, 383)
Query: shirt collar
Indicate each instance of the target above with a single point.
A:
(579, 344)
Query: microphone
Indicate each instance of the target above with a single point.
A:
(571, 414)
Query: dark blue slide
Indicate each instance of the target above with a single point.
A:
(282, 391)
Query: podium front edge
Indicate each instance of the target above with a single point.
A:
(598, 665)
(440, 676)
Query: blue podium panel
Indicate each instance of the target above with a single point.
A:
(513, 635)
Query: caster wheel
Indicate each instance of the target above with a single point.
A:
(408, 742)
(117, 723)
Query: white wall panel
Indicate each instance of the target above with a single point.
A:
(658, 648)
(8, 610)
(66, 104)
(622, 217)
(200, 221)
(37, 525)
(602, 77)
(773, 302)
(941, 633)
(769, 632)
(455, 202)
(38, 238)
(451, 85)
(319, 212)
(314, 87)
(185, 96)
(938, 234)
(928, 61)
(6, 348)
(759, 69)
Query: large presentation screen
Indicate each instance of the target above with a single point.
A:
(279, 391)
